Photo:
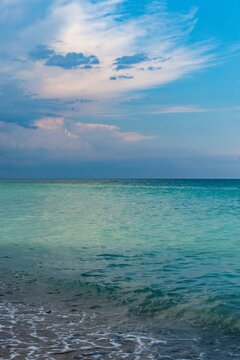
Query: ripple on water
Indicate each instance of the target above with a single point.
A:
(30, 332)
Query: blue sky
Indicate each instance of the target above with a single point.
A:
(114, 88)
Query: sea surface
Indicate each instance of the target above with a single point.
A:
(123, 269)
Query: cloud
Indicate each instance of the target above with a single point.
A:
(113, 131)
(154, 68)
(73, 60)
(119, 77)
(20, 106)
(17, 105)
(135, 137)
(180, 109)
(62, 139)
(152, 39)
(41, 52)
(93, 127)
(127, 62)
(49, 123)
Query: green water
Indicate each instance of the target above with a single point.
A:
(168, 249)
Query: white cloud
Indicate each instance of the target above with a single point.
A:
(92, 28)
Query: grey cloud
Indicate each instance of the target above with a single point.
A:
(119, 77)
(127, 62)
(19, 106)
(40, 165)
(22, 107)
(151, 68)
(41, 52)
(71, 60)
(154, 68)
(77, 101)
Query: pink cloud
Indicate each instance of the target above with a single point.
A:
(67, 139)
(180, 109)
(112, 131)
(49, 123)
(135, 137)
(105, 127)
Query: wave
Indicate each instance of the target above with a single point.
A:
(206, 310)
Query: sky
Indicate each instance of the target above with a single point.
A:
(119, 89)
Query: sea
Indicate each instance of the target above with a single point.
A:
(120, 269)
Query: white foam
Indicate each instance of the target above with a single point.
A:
(33, 333)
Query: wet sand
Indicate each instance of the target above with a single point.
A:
(31, 332)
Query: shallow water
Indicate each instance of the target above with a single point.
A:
(152, 265)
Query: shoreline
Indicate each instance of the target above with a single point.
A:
(32, 332)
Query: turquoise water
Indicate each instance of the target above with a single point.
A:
(165, 250)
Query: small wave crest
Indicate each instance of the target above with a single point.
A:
(206, 310)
